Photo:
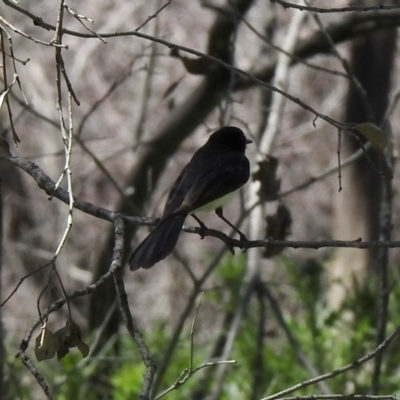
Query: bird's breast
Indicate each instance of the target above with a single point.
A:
(216, 203)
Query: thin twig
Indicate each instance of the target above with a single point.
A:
(146, 86)
(13, 59)
(342, 397)
(67, 169)
(329, 171)
(339, 164)
(352, 78)
(25, 35)
(192, 331)
(21, 281)
(150, 17)
(6, 87)
(187, 372)
(286, 4)
(81, 18)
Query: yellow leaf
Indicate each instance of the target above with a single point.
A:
(373, 134)
(46, 345)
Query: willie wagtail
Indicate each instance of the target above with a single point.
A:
(216, 171)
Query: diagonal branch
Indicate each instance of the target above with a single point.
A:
(380, 7)
(48, 186)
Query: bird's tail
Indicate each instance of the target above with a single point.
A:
(159, 244)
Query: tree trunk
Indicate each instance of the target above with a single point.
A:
(357, 206)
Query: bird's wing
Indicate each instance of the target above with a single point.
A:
(205, 180)
(177, 192)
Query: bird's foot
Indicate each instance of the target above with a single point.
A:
(242, 241)
(202, 226)
(202, 232)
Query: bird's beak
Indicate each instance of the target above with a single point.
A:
(248, 141)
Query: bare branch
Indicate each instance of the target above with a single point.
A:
(81, 19)
(36, 374)
(286, 4)
(25, 35)
(126, 312)
(48, 186)
(153, 15)
(342, 397)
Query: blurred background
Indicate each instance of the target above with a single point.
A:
(283, 314)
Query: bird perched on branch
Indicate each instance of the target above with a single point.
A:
(211, 178)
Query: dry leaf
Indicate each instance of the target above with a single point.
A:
(266, 174)
(278, 228)
(46, 345)
(70, 336)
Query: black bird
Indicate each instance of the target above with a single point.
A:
(216, 171)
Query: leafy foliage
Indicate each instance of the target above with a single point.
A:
(329, 338)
